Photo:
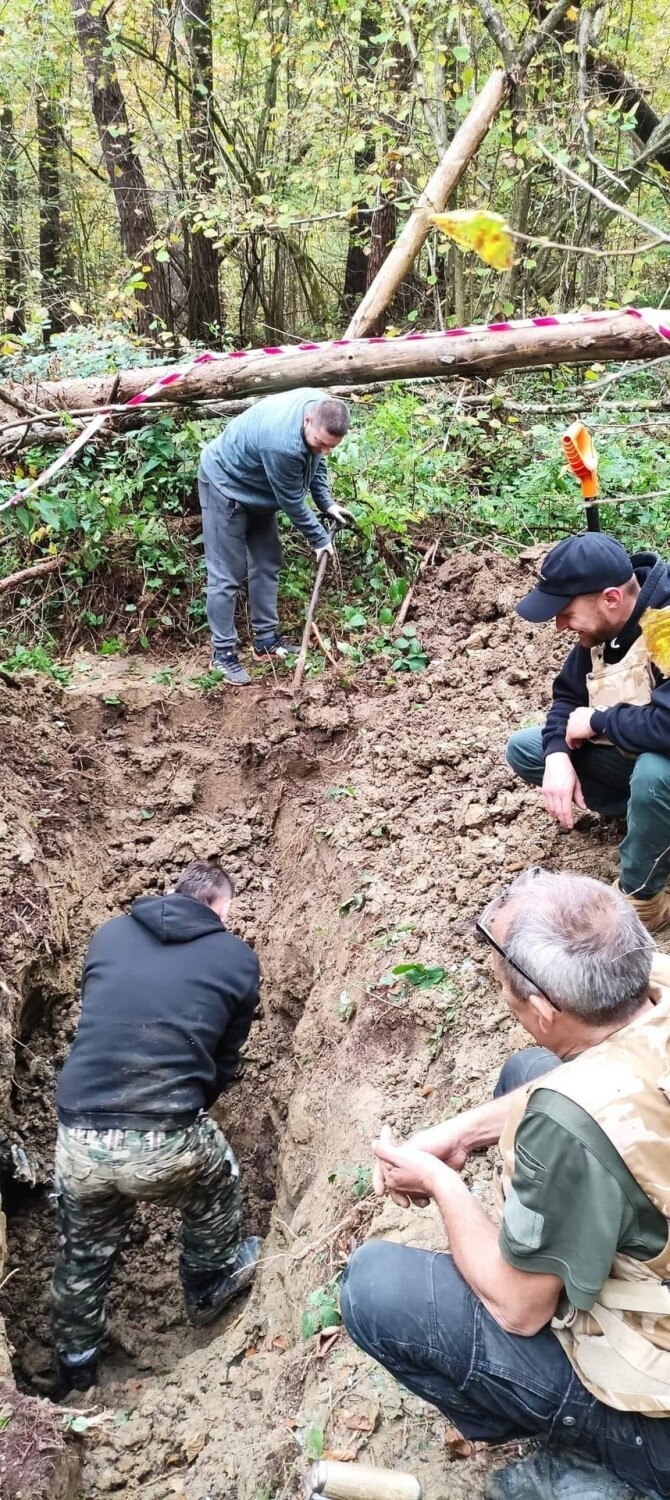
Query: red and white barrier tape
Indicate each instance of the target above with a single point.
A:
(656, 320)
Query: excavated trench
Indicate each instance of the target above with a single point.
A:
(365, 827)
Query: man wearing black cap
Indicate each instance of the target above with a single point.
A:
(606, 740)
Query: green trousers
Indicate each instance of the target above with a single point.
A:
(100, 1178)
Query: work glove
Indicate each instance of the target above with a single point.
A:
(340, 514)
(327, 549)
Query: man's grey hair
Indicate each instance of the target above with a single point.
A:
(331, 415)
(582, 943)
(205, 881)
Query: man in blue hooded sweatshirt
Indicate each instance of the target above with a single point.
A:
(168, 997)
(606, 740)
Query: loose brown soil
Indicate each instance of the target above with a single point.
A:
(365, 828)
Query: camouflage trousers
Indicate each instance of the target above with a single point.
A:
(101, 1176)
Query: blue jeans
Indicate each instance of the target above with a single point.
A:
(618, 786)
(412, 1311)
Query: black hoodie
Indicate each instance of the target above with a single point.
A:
(629, 728)
(168, 997)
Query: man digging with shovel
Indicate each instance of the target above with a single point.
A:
(606, 740)
(266, 460)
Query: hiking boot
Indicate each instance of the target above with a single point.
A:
(274, 648)
(654, 911)
(552, 1475)
(77, 1372)
(207, 1296)
(229, 663)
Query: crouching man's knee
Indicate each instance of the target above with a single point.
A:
(524, 755)
(369, 1296)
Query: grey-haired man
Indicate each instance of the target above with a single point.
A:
(266, 460)
(557, 1324)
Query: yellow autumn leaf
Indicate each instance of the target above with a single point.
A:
(479, 230)
(655, 626)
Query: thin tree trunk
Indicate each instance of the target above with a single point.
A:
(51, 268)
(136, 221)
(204, 301)
(465, 143)
(14, 320)
(356, 269)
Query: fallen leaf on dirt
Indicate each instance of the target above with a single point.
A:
(456, 1445)
(250, 1351)
(342, 1455)
(325, 1340)
(427, 1090)
(360, 1422)
(290, 1422)
(192, 1446)
(279, 1342)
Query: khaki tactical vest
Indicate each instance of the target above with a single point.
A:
(630, 680)
(620, 1350)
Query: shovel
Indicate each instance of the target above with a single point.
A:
(582, 458)
(304, 645)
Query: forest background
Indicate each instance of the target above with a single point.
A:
(225, 173)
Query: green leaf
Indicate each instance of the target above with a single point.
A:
(461, 53)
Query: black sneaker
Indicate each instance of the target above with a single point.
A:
(229, 663)
(76, 1374)
(207, 1297)
(274, 648)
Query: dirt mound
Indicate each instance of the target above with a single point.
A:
(364, 830)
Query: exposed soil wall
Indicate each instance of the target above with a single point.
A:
(365, 829)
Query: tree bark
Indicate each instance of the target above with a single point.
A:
(51, 268)
(356, 269)
(465, 143)
(124, 168)
(15, 321)
(479, 352)
(204, 302)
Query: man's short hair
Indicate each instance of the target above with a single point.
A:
(331, 416)
(204, 880)
(581, 941)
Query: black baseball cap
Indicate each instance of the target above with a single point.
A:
(583, 564)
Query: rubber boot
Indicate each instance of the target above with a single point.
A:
(654, 912)
(206, 1296)
(556, 1475)
(77, 1372)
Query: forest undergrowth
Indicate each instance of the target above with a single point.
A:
(422, 462)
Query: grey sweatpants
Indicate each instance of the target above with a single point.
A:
(239, 543)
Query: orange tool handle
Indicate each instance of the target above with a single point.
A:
(582, 458)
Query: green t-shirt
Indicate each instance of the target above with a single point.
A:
(573, 1203)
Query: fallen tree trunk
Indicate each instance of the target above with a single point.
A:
(476, 352)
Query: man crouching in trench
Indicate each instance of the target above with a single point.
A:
(557, 1325)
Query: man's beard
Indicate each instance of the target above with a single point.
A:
(587, 639)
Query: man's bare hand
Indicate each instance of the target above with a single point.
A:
(444, 1141)
(579, 728)
(408, 1170)
(381, 1186)
(561, 788)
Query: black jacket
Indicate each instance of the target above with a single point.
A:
(629, 728)
(168, 997)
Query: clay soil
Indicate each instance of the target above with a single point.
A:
(366, 827)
